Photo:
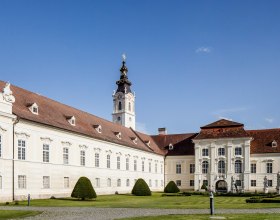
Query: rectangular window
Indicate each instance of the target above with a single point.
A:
(178, 182)
(143, 166)
(97, 182)
(178, 168)
(253, 183)
(221, 151)
(205, 152)
(119, 183)
(65, 155)
(46, 182)
(269, 167)
(0, 146)
(253, 168)
(238, 182)
(150, 183)
(21, 181)
(96, 163)
(21, 149)
(46, 153)
(135, 165)
(161, 168)
(127, 163)
(191, 182)
(127, 182)
(109, 182)
(66, 182)
(150, 167)
(118, 163)
(238, 151)
(192, 168)
(108, 161)
(156, 168)
(82, 158)
(205, 182)
(269, 183)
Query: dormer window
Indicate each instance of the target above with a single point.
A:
(34, 108)
(148, 142)
(170, 147)
(134, 139)
(274, 143)
(98, 128)
(118, 135)
(72, 120)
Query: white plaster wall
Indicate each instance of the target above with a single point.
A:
(185, 176)
(34, 169)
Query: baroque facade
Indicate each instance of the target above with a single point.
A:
(45, 146)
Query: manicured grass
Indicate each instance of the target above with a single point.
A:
(204, 217)
(8, 214)
(156, 201)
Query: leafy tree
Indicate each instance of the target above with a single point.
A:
(141, 188)
(171, 187)
(83, 189)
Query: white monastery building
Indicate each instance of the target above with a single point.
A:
(45, 146)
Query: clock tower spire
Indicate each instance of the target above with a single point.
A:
(124, 100)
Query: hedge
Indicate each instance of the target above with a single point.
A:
(83, 189)
(171, 187)
(141, 188)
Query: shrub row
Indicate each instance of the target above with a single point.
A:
(262, 200)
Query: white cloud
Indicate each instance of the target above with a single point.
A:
(221, 117)
(203, 50)
(269, 120)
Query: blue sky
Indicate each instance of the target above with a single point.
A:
(190, 62)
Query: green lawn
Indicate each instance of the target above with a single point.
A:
(156, 201)
(204, 217)
(8, 214)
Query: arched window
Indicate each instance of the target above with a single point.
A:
(205, 167)
(238, 166)
(120, 105)
(221, 166)
(109, 182)
(129, 106)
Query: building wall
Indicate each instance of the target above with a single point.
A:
(33, 167)
(185, 176)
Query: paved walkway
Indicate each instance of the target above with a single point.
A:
(85, 213)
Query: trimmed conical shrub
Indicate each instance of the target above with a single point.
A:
(171, 187)
(83, 189)
(141, 188)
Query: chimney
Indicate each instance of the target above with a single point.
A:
(162, 131)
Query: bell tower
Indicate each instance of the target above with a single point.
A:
(124, 100)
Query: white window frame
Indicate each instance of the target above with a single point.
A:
(127, 182)
(109, 182)
(46, 182)
(65, 155)
(108, 161)
(205, 167)
(238, 151)
(178, 168)
(135, 165)
(253, 183)
(238, 166)
(192, 168)
(82, 157)
(46, 153)
(178, 183)
(221, 167)
(21, 149)
(221, 151)
(253, 168)
(66, 182)
(22, 181)
(127, 163)
(97, 182)
(143, 166)
(205, 152)
(118, 162)
(269, 167)
(119, 183)
(96, 160)
(150, 167)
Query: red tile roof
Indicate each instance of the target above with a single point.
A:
(55, 114)
(222, 129)
(262, 141)
(182, 143)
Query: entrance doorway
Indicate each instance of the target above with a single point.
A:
(221, 186)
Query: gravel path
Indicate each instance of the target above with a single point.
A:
(84, 213)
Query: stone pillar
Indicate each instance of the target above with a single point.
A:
(197, 173)
(213, 168)
(246, 164)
